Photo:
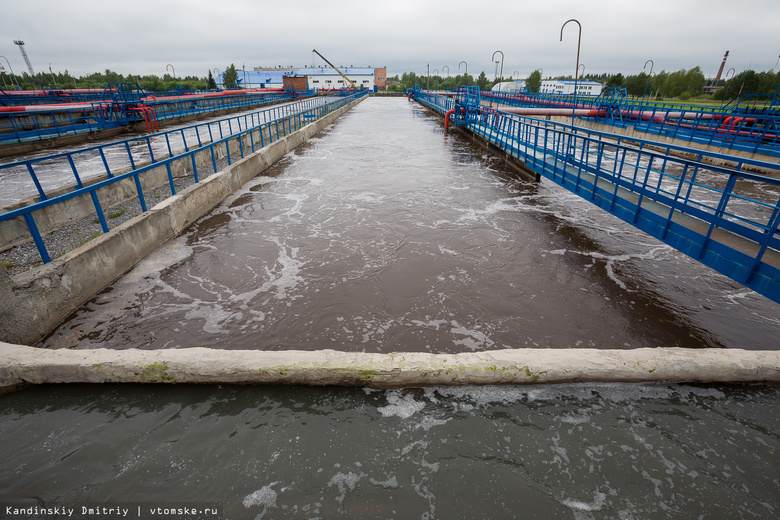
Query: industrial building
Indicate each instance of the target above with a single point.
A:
(566, 87)
(318, 78)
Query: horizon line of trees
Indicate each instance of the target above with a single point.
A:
(98, 80)
(683, 84)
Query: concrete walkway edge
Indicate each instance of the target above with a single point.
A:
(21, 365)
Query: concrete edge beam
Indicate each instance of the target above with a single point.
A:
(21, 365)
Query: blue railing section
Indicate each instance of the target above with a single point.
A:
(722, 217)
(284, 121)
(91, 116)
(120, 155)
(739, 130)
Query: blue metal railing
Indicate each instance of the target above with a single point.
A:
(19, 127)
(115, 156)
(286, 120)
(725, 218)
(734, 130)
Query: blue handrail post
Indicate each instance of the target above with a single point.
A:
(28, 218)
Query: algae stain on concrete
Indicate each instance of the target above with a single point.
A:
(155, 373)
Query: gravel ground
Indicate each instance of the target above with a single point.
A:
(25, 256)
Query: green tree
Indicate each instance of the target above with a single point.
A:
(230, 77)
(534, 81)
(210, 83)
(482, 81)
(637, 85)
(615, 81)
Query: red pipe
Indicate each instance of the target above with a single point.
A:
(447, 118)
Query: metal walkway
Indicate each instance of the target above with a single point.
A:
(725, 218)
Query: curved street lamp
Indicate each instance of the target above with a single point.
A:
(649, 75)
(502, 62)
(12, 72)
(466, 75)
(174, 71)
(727, 84)
(577, 67)
(448, 75)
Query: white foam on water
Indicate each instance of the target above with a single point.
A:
(368, 197)
(475, 339)
(429, 422)
(390, 483)
(599, 499)
(403, 406)
(264, 497)
(345, 482)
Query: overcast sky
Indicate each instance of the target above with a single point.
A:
(195, 36)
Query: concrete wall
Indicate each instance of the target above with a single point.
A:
(34, 302)
(21, 365)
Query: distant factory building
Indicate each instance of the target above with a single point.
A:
(325, 78)
(317, 78)
(566, 87)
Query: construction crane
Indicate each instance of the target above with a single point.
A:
(334, 68)
(20, 43)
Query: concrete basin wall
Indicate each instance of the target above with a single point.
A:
(20, 365)
(35, 301)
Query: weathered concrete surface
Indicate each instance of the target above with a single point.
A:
(35, 301)
(21, 365)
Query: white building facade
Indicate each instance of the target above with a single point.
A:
(324, 78)
(566, 87)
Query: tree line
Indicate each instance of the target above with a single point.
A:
(98, 80)
(682, 84)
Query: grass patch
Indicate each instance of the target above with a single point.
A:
(117, 214)
(7, 264)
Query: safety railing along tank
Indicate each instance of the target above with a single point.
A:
(104, 160)
(755, 134)
(69, 119)
(290, 120)
(722, 217)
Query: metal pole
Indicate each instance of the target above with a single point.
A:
(12, 72)
(448, 75)
(52, 76)
(577, 67)
(174, 74)
(502, 62)
(648, 77)
(466, 74)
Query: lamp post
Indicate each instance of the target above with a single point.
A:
(649, 75)
(502, 62)
(727, 84)
(216, 74)
(466, 74)
(52, 77)
(174, 74)
(436, 73)
(12, 72)
(448, 75)
(577, 67)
